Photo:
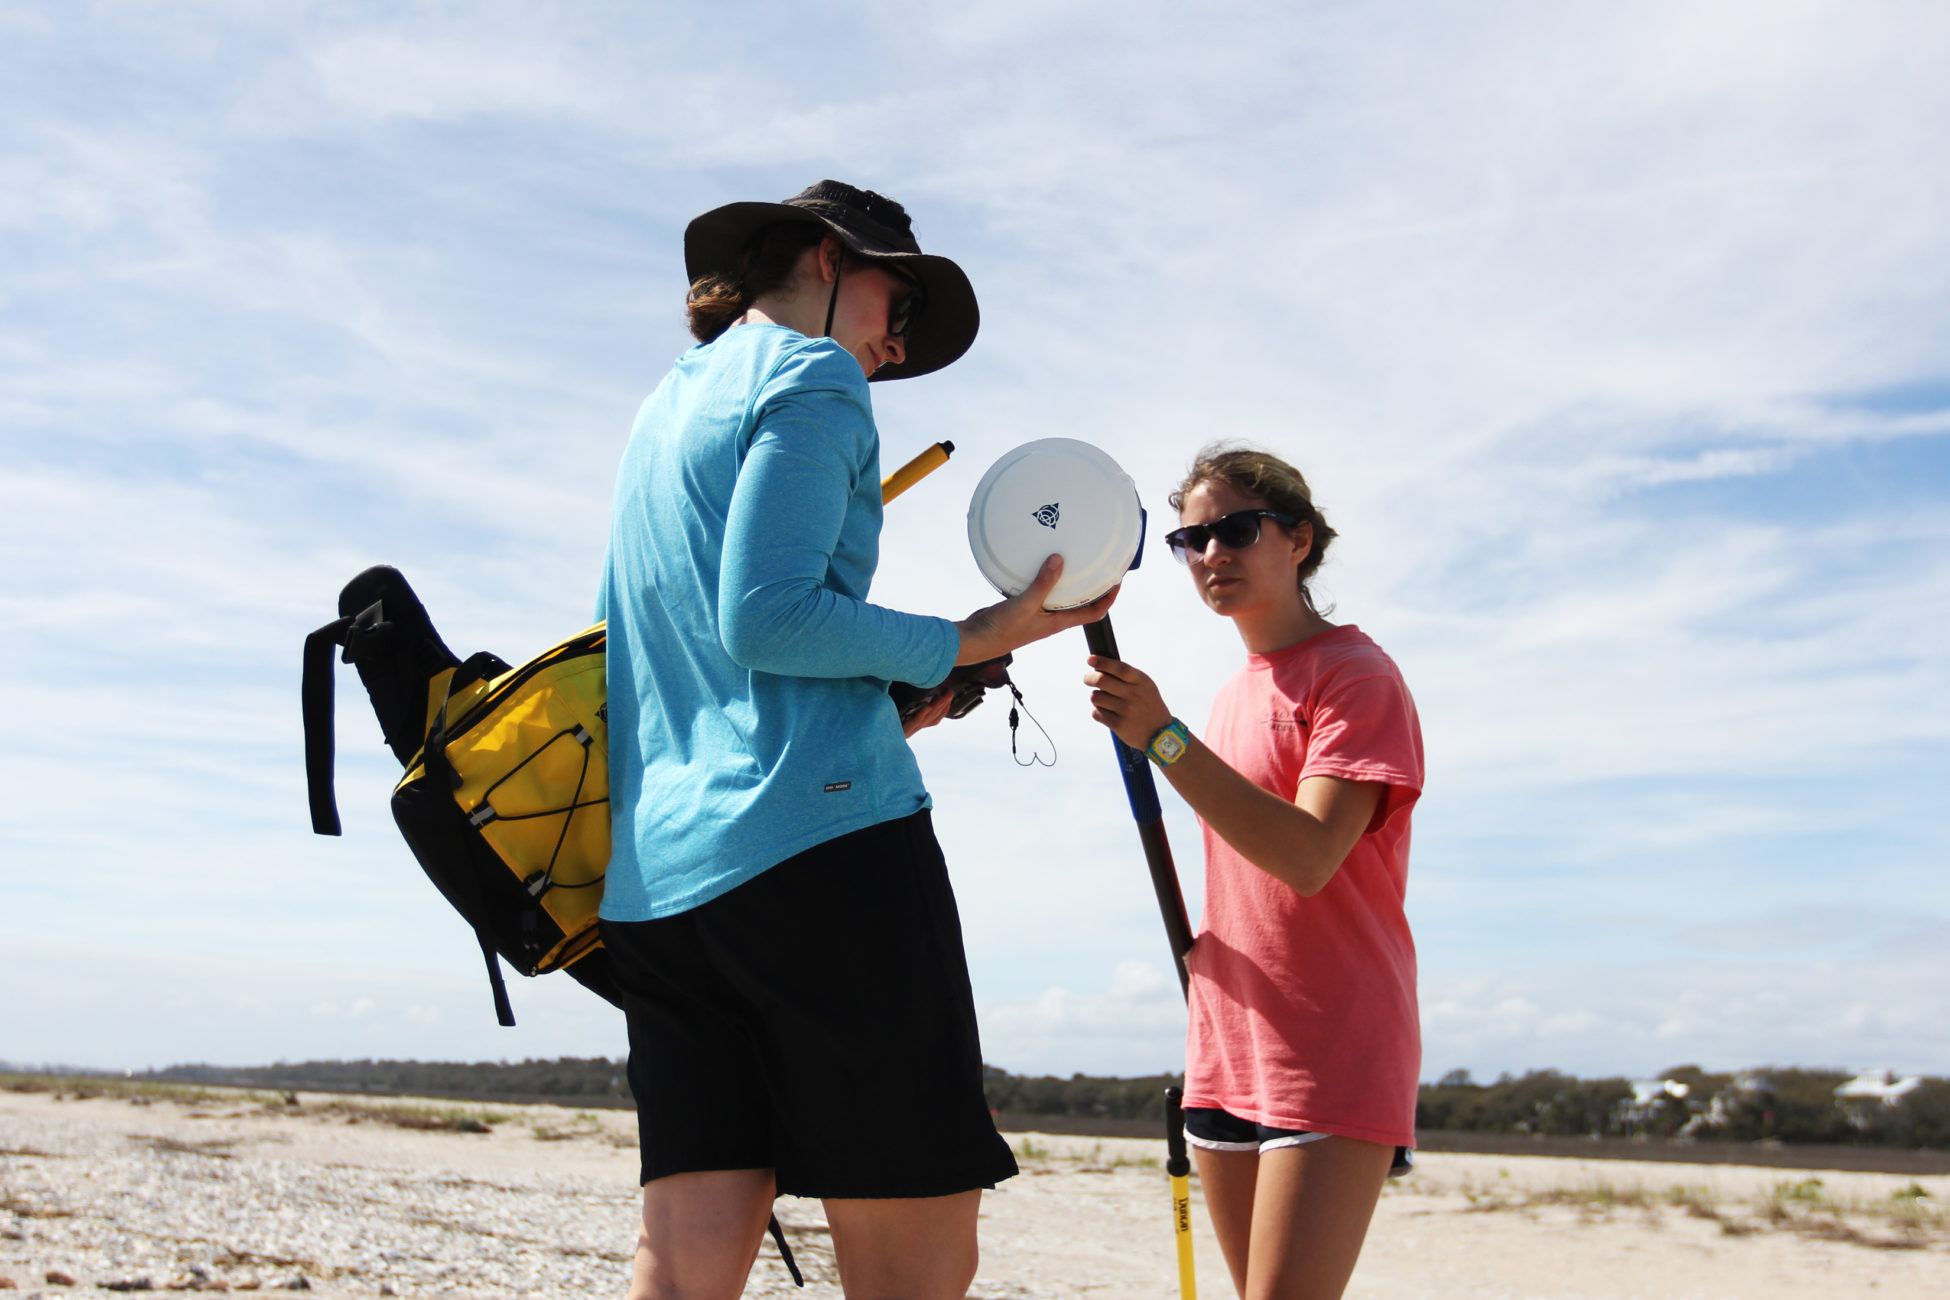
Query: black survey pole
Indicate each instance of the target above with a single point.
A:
(1143, 794)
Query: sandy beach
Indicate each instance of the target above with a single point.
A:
(344, 1198)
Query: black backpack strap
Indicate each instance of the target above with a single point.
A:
(785, 1252)
(504, 1011)
(360, 634)
(319, 742)
(441, 776)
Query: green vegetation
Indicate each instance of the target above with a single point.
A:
(581, 1081)
(1803, 1208)
(140, 1089)
(1543, 1102)
(438, 1119)
(1082, 1095)
(579, 1124)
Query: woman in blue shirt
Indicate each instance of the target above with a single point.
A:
(776, 908)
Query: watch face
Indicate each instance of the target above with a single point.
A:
(1169, 746)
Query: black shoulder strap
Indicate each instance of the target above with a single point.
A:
(319, 741)
(358, 633)
(785, 1252)
(504, 1011)
(440, 775)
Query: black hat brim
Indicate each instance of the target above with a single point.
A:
(940, 332)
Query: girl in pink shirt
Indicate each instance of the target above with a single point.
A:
(1305, 1046)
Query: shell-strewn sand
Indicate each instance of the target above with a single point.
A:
(232, 1194)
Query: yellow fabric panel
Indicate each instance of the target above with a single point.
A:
(549, 790)
(459, 703)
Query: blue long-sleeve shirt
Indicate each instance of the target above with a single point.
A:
(748, 711)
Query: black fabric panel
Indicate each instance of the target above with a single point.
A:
(397, 660)
(472, 876)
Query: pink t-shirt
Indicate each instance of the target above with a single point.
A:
(1303, 1010)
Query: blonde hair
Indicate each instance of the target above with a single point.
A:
(1261, 474)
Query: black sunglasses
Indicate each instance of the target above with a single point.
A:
(901, 310)
(1235, 532)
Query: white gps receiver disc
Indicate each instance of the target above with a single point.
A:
(1055, 496)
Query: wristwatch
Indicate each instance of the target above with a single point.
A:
(1169, 745)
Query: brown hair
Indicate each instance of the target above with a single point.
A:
(768, 264)
(1261, 474)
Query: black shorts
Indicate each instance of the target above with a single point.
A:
(816, 1021)
(1221, 1130)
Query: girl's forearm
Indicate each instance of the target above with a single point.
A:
(1301, 844)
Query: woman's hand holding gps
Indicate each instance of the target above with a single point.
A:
(1010, 624)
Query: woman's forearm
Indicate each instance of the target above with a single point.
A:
(799, 628)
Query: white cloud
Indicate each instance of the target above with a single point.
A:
(1862, 990)
(1135, 1026)
(394, 75)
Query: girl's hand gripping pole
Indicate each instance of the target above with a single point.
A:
(1143, 794)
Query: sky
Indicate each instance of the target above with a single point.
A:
(1611, 336)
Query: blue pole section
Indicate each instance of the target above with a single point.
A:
(1142, 791)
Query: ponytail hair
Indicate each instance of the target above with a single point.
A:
(1255, 473)
(767, 265)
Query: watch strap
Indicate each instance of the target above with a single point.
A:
(1169, 744)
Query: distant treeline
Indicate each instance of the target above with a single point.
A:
(1081, 1095)
(1787, 1105)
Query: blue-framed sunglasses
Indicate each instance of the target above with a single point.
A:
(1235, 532)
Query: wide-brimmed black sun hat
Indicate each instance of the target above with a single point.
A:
(871, 225)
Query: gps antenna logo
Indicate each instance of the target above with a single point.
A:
(1047, 516)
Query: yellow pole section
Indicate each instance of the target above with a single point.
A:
(914, 471)
(1181, 1212)
(1179, 1167)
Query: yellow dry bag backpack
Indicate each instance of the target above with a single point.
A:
(505, 800)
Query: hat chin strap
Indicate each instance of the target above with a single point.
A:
(833, 301)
